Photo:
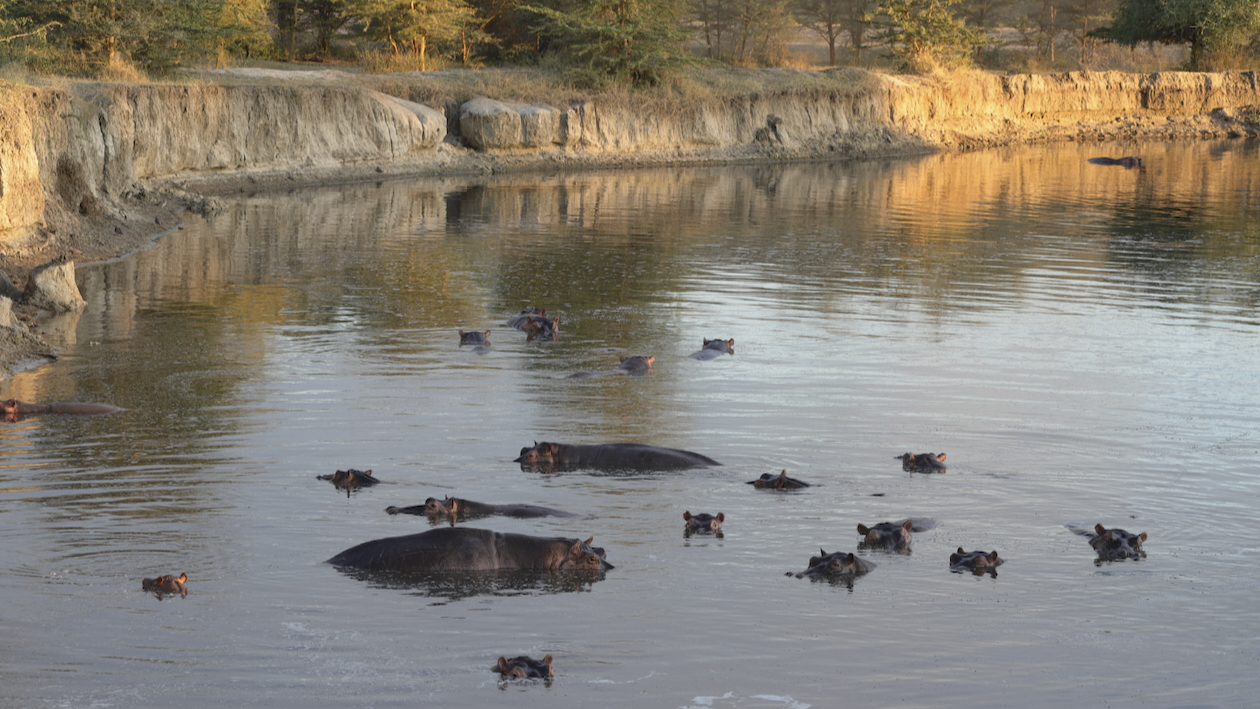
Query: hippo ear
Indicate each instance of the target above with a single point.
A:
(940, 458)
(651, 359)
(621, 358)
(730, 342)
(863, 529)
(721, 517)
(1101, 530)
(706, 340)
(183, 578)
(486, 333)
(687, 515)
(589, 540)
(993, 556)
(503, 667)
(960, 550)
(850, 558)
(908, 526)
(547, 660)
(551, 448)
(1141, 537)
(461, 333)
(821, 552)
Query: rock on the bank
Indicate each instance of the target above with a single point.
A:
(52, 287)
(486, 124)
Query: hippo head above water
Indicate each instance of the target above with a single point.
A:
(977, 561)
(886, 535)
(704, 522)
(525, 667)
(1116, 544)
(540, 454)
(922, 463)
(166, 584)
(835, 564)
(474, 338)
(770, 481)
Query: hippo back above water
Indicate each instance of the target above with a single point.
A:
(638, 365)
(636, 457)
(465, 549)
(14, 408)
(456, 508)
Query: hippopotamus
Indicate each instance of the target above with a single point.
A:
(1114, 544)
(713, 349)
(704, 522)
(835, 564)
(13, 407)
(886, 535)
(770, 481)
(479, 341)
(977, 561)
(609, 456)
(454, 508)
(166, 584)
(1128, 162)
(535, 324)
(348, 479)
(525, 667)
(922, 463)
(466, 549)
(634, 366)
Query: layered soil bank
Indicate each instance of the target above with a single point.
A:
(91, 172)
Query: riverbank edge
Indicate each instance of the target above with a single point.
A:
(92, 172)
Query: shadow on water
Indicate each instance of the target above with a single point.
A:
(457, 585)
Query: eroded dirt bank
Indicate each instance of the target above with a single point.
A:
(91, 172)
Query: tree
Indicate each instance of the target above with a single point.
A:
(922, 34)
(1210, 27)
(632, 41)
(410, 26)
(830, 19)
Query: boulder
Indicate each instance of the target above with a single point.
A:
(540, 125)
(52, 287)
(485, 124)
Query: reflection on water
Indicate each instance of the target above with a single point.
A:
(456, 585)
(1080, 338)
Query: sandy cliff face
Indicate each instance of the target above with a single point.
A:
(91, 152)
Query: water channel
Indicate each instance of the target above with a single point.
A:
(1083, 341)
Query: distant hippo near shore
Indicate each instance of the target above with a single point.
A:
(978, 561)
(1114, 544)
(1128, 162)
(13, 407)
(704, 522)
(886, 535)
(713, 349)
(770, 481)
(456, 508)
(166, 584)
(922, 463)
(466, 549)
(837, 564)
(525, 667)
(637, 457)
(634, 366)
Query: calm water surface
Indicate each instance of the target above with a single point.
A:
(1082, 341)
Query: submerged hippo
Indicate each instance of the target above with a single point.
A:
(350, 478)
(609, 456)
(922, 463)
(835, 564)
(525, 667)
(474, 338)
(1114, 544)
(1128, 162)
(465, 549)
(704, 522)
(166, 584)
(633, 366)
(713, 349)
(977, 561)
(770, 481)
(456, 508)
(886, 535)
(13, 407)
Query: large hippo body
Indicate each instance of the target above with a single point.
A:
(457, 508)
(610, 456)
(464, 549)
(22, 408)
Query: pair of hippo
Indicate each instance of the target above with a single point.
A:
(889, 536)
(638, 365)
(535, 324)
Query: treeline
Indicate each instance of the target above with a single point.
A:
(630, 41)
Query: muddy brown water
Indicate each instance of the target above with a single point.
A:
(1082, 341)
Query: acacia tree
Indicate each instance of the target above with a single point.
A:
(633, 41)
(410, 26)
(830, 19)
(1210, 27)
(922, 34)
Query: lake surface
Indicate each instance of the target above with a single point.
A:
(1083, 342)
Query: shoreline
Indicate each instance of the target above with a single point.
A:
(98, 173)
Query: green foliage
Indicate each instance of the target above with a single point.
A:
(1211, 27)
(416, 27)
(829, 19)
(743, 31)
(924, 34)
(626, 41)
